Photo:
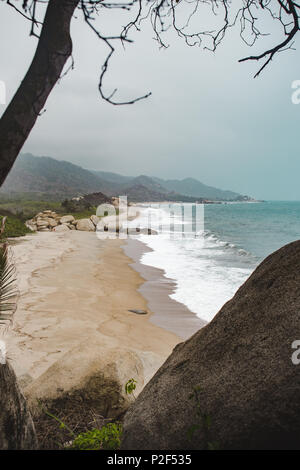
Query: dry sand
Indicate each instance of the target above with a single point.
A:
(73, 287)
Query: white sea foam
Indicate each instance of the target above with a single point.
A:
(207, 270)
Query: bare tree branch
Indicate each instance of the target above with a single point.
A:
(289, 8)
(183, 17)
(53, 50)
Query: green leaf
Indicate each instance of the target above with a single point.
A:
(8, 290)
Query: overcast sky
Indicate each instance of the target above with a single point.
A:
(207, 117)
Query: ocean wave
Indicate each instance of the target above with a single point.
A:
(207, 270)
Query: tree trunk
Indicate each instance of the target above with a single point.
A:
(53, 50)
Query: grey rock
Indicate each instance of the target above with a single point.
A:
(236, 371)
(16, 426)
(138, 312)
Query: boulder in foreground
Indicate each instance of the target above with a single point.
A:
(16, 426)
(92, 374)
(233, 384)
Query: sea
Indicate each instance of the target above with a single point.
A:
(210, 250)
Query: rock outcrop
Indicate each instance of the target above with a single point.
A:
(48, 221)
(233, 385)
(16, 426)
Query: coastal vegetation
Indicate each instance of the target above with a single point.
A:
(75, 431)
(130, 386)
(107, 438)
(8, 290)
(22, 215)
(23, 208)
(79, 428)
(14, 227)
(15, 224)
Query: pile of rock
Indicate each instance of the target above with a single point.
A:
(48, 221)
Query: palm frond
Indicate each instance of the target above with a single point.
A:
(8, 290)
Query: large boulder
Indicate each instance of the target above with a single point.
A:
(233, 385)
(85, 225)
(16, 425)
(66, 219)
(42, 223)
(94, 373)
(45, 221)
(61, 228)
(52, 222)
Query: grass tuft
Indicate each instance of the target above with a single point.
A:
(14, 227)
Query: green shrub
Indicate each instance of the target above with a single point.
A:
(26, 209)
(130, 386)
(106, 438)
(14, 227)
(69, 205)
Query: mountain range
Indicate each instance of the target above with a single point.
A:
(46, 175)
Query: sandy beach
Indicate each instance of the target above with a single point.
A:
(73, 332)
(73, 287)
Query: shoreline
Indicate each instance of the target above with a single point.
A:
(167, 313)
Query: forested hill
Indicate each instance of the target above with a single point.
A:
(45, 174)
(31, 174)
